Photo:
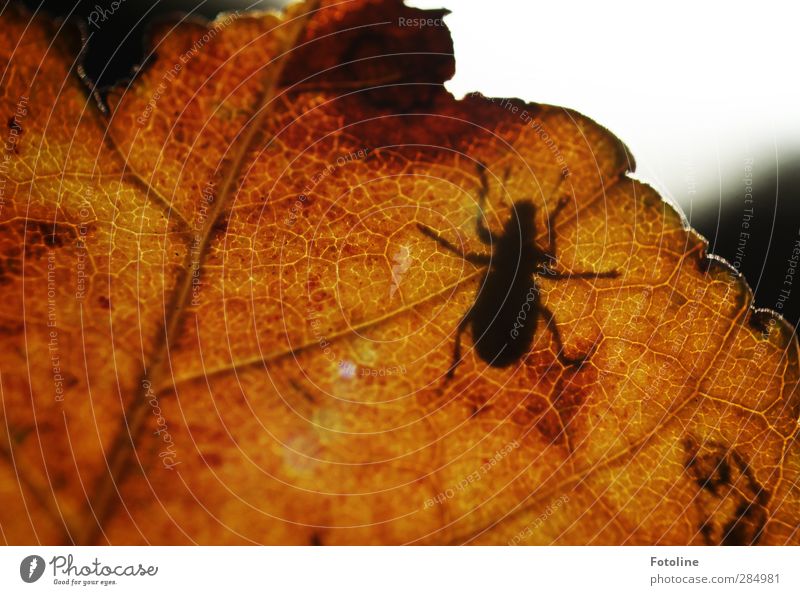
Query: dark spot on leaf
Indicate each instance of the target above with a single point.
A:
(732, 503)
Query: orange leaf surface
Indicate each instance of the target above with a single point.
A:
(225, 320)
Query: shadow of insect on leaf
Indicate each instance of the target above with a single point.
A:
(732, 504)
(506, 311)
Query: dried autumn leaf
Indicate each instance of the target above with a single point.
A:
(221, 322)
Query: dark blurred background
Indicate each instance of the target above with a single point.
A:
(715, 208)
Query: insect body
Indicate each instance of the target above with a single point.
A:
(506, 311)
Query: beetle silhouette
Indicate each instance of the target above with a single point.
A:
(507, 308)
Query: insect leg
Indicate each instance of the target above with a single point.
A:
(471, 257)
(553, 328)
(462, 326)
(484, 233)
